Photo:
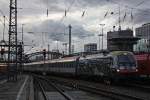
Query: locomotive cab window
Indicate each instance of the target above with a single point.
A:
(126, 60)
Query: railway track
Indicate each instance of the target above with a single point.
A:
(140, 87)
(16, 90)
(113, 95)
(41, 80)
(108, 92)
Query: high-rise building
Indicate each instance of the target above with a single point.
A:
(91, 47)
(143, 31)
(121, 40)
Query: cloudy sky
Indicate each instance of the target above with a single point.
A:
(41, 29)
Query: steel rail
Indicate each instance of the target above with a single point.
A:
(111, 94)
(66, 96)
(138, 86)
(41, 88)
(99, 91)
(60, 91)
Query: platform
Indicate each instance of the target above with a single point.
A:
(16, 90)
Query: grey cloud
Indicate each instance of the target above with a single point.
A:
(59, 31)
(80, 32)
(141, 16)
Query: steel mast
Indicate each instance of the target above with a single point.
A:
(12, 49)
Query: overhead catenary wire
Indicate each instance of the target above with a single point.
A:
(47, 12)
(6, 19)
(140, 3)
(131, 9)
(134, 8)
(67, 10)
(84, 10)
(4, 23)
(4, 15)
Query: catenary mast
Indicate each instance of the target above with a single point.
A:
(12, 49)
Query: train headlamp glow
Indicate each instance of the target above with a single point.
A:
(136, 70)
(118, 70)
(125, 53)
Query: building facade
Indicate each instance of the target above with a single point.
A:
(143, 33)
(91, 47)
(121, 40)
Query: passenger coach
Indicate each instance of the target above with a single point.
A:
(111, 66)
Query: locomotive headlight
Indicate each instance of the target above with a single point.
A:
(136, 70)
(118, 70)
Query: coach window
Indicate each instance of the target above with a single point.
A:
(65, 64)
(58, 64)
(62, 64)
(52, 64)
(70, 64)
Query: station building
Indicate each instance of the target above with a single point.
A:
(121, 40)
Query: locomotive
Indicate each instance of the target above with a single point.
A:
(112, 66)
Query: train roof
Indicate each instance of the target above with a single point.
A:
(73, 58)
(119, 52)
(4, 64)
(65, 59)
(94, 56)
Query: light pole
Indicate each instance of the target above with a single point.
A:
(22, 48)
(99, 35)
(48, 51)
(57, 44)
(65, 44)
(70, 27)
(22, 33)
(102, 25)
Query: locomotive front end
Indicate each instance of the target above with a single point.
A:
(125, 65)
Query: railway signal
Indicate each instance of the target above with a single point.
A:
(44, 53)
(2, 51)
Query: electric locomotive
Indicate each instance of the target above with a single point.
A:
(111, 66)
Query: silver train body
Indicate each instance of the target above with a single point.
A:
(114, 64)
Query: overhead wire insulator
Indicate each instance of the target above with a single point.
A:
(47, 12)
(44, 53)
(83, 13)
(2, 51)
(65, 13)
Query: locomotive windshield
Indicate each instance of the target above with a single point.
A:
(126, 60)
